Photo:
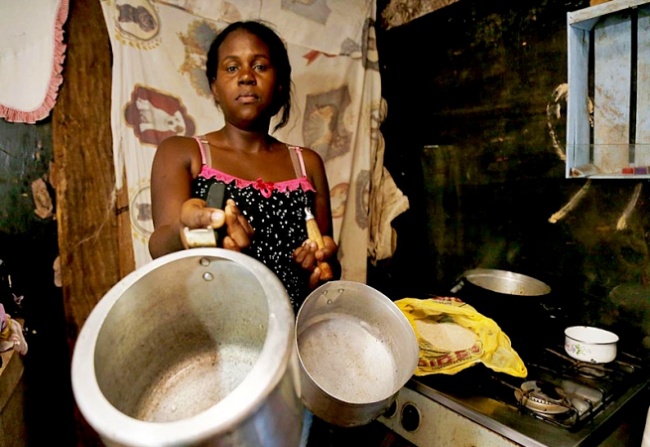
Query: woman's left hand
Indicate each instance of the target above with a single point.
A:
(309, 256)
(240, 231)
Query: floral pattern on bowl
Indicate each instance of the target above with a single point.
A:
(578, 350)
(594, 345)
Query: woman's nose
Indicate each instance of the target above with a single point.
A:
(246, 77)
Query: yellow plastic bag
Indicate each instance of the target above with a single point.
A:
(490, 345)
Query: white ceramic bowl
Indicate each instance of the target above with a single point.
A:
(590, 344)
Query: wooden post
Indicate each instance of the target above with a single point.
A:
(95, 247)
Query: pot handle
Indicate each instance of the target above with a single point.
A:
(458, 285)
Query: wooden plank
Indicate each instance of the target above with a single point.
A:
(642, 136)
(612, 80)
(91, 241)
(87, 225)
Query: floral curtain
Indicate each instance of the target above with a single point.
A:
(159, 89)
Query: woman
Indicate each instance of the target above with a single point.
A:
(268, 184)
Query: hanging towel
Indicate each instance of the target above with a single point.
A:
(31, 57)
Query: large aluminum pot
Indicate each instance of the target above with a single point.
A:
(356, 350)
(194, 348)
(512, 299)
(503, 282)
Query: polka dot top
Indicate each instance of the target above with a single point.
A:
(276, 211)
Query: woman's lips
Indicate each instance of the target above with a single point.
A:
(247, 98)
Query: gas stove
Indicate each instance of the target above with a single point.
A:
(561, 403)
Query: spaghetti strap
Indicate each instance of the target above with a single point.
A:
(205, 151)
(298, 161)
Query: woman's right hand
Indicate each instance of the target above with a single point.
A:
(196, 215)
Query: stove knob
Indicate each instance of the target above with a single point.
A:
(410, 417)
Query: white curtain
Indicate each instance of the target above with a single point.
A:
(159, 89)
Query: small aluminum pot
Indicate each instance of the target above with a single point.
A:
(590, 344)
(356, 350)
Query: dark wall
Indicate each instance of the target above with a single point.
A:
(25, 154)
(471, 141)
(28, 249)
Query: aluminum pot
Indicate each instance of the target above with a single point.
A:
(503, 282)
(512, 299)
(194, 348)
(356, 350)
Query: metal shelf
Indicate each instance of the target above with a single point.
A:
(608, 108)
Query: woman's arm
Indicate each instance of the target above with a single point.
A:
(318, 177)
(307, 255)
(176, 163)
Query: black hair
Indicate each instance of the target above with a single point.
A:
(279, 58)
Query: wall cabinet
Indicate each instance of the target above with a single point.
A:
(608, 107)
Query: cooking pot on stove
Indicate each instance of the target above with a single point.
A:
(194, 348)
(590, 344)
(512, 299)
(502, 282)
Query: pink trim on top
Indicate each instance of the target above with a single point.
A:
(265, 188)
(20, 116)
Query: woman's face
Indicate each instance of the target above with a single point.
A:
(245, 81)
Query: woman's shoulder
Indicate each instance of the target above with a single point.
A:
(307, 152)
(179, 141)
(179, 144)
(179, 149)
(314, 164)
(312, 158)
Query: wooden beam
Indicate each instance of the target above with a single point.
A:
(94, 241)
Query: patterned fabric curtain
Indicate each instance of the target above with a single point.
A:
(159, 90)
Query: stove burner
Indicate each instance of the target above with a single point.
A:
(542, 397)
(583, 398)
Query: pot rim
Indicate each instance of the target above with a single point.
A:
(543, 288)
(240, 404)
(586, 334)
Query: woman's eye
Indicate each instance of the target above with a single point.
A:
(261, 67)
(231, 69)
